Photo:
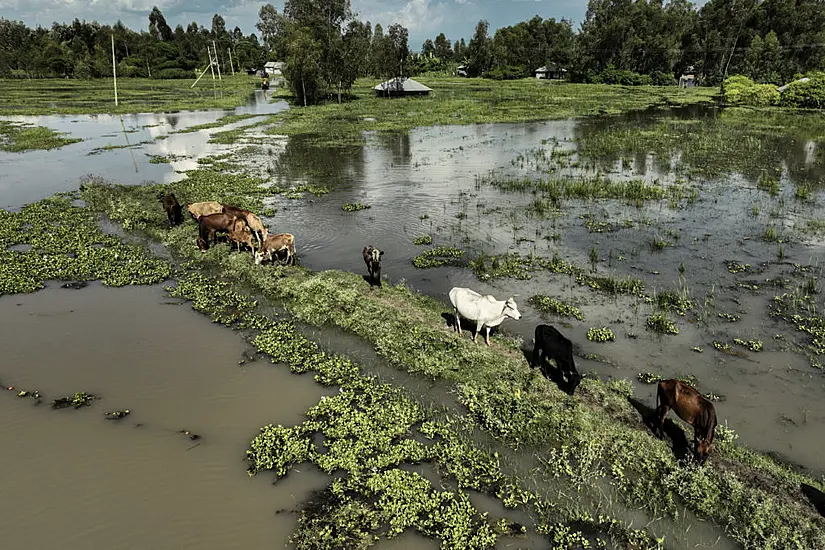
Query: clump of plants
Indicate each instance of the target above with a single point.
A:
(659, 323)
(649, 378)
(438, 256)
(753, 345)
(737, 267)
(423, 239)
(600, 334)
(671, 300)
(80, 399)
(354, 206)
(730, 318)
(547, 305)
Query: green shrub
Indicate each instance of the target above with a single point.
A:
(172, 73)
(741, 90)
(810, 94)
(509, 72)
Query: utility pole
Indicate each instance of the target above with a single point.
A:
(216, 60)
(231, 66)
(211, 63)
(114, 67)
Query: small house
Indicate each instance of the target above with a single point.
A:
(551, 71)
(273, 68)
(401, 86)
(461, 70)
(687, 81)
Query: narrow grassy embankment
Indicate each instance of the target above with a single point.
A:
(585, 443)
(17, 137)
(469, 101)
(135, 95)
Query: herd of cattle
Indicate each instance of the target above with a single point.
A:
(485, 312)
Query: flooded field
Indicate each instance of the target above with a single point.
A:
(139, 482)
(715, 219)
(122, 148)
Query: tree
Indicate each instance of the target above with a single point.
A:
(158, 27)
(270, 25)
(480, 51)
(443, 50)
(428, 48)
(398, 47)
(218, 27)
(303, 68)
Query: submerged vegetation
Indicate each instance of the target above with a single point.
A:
(18, 137)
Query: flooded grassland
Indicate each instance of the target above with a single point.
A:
(660, 236)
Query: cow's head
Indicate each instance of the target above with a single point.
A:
(703, 449)
(511, 309)
(259, 257)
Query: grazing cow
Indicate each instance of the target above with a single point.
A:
(198, 209)
(691, 407)
(253, 221)
(274, 245)
(551, 344)
(172, 207)
(486, 311)
(372, 257)
(209, 225)
(241, 234)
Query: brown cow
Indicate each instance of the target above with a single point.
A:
(274, 244)
(691, 407)
(253, 221)
(172, 207)
(241, 234)
(209, 225)
(198, 209)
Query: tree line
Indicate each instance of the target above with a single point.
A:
(326, 47)
(83, 49)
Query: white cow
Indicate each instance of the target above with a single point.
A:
(486, 311)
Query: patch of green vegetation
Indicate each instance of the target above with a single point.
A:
(135, 95)
(438, 256)
(583, 188)
(223, 121)
(602, 334)
(800, 309)
(730, 318)
(659, 323)
(736, 267)
(649, 378)
(354, 206)
(66, 244)
(753, 345)
(17, 137)
(423, 239)
(80, 399)
(673, 300)
(547, 305)
(769, 184)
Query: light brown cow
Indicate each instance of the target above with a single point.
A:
(241, 234)
(198, 209)
(252, 220)
(274, 244)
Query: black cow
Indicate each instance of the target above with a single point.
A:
(551, 344)
(372, 257)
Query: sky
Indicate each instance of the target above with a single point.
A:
(423, 18)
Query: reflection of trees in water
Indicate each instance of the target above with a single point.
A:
(304, 161)
(703, 141)
(398, 144)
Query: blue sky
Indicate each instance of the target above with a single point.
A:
(424, 18)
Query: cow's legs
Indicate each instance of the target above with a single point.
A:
(487, 336)
(536, 356)
(661, 413)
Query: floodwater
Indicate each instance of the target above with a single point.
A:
(74, 479)
(116, 148)
(431, 181)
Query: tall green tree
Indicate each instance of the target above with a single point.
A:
(480, 50)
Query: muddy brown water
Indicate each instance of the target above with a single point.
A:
(73, 479)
